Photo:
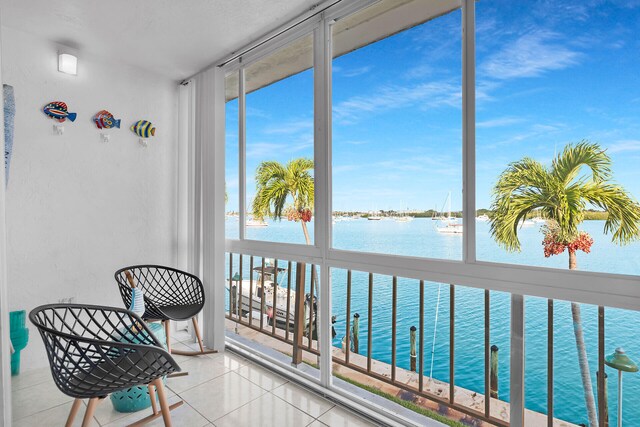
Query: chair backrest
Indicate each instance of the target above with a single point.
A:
(163, 286)
(78, 338)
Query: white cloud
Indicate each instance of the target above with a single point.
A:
(430, 95)
(353, 142)
(256, 112)
(498, 122)
(290, 127)
(418, 71)
(624, 146)
(353, 72)
(530, 55)
(264, 150)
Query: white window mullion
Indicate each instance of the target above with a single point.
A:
(468, 132)
(242, 153)
(322, 178)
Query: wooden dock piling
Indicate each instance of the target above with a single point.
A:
(412, 341)
(356, 332)
(494, 371)
(606, 400)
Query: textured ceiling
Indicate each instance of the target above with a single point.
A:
(175, 38)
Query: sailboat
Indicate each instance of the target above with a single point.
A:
(405, 217)
(449, 224)
(374, 217)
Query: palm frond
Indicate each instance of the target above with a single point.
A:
(566, 166)
(521, 188)
(623, 219)
(277, 183)
(562, 195)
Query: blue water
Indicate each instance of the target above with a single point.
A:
(419, 238)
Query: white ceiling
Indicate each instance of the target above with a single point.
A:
(175, 38)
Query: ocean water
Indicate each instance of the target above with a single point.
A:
(420, 238)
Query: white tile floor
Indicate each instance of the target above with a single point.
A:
(221, 390)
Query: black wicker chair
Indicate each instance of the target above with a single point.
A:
(94, 351)
(169, 294)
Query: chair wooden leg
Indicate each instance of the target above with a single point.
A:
(165, 408)
(167, 332)
(202, 349)
(164, 403)
(195, 327)
(74, 411)
(152, 397)
(91, 408)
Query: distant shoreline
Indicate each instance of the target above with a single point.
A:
(588, 215)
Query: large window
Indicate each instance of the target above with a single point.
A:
(279, 153)
(550, 75)
(397, 137)
(422, 308)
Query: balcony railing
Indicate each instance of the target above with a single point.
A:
(273, 306)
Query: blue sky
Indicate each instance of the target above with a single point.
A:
(548, 73)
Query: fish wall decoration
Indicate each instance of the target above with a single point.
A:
(58, 110)
(143, 128)
(105, 120)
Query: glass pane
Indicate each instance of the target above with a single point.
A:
(279, 115)
(550, 75)
(397, 165)
(232, 188)
(253, 287)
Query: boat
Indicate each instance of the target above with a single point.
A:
(256, 223)
(451, 228)
(404, 219)
(374, 217)
(449, 224)
(483, 218)
(258, 292)
(437, 216)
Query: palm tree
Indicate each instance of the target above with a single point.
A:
(561, 194)
(276, 184)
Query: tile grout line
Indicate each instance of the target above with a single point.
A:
(43, 410)
(204, 382)
(305, 412)
(286, 381)
(239, 407)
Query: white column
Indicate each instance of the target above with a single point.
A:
(209, 137)
(5, 355)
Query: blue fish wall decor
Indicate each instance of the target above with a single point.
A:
(143, 128)
(104, 120)
(58, 110)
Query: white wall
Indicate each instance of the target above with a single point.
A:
(78, 209)
(5, 372)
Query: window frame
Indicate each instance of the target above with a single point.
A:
(610, 289)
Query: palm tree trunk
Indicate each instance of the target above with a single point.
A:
(315, 270)
(306, 232)
(585, 372)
